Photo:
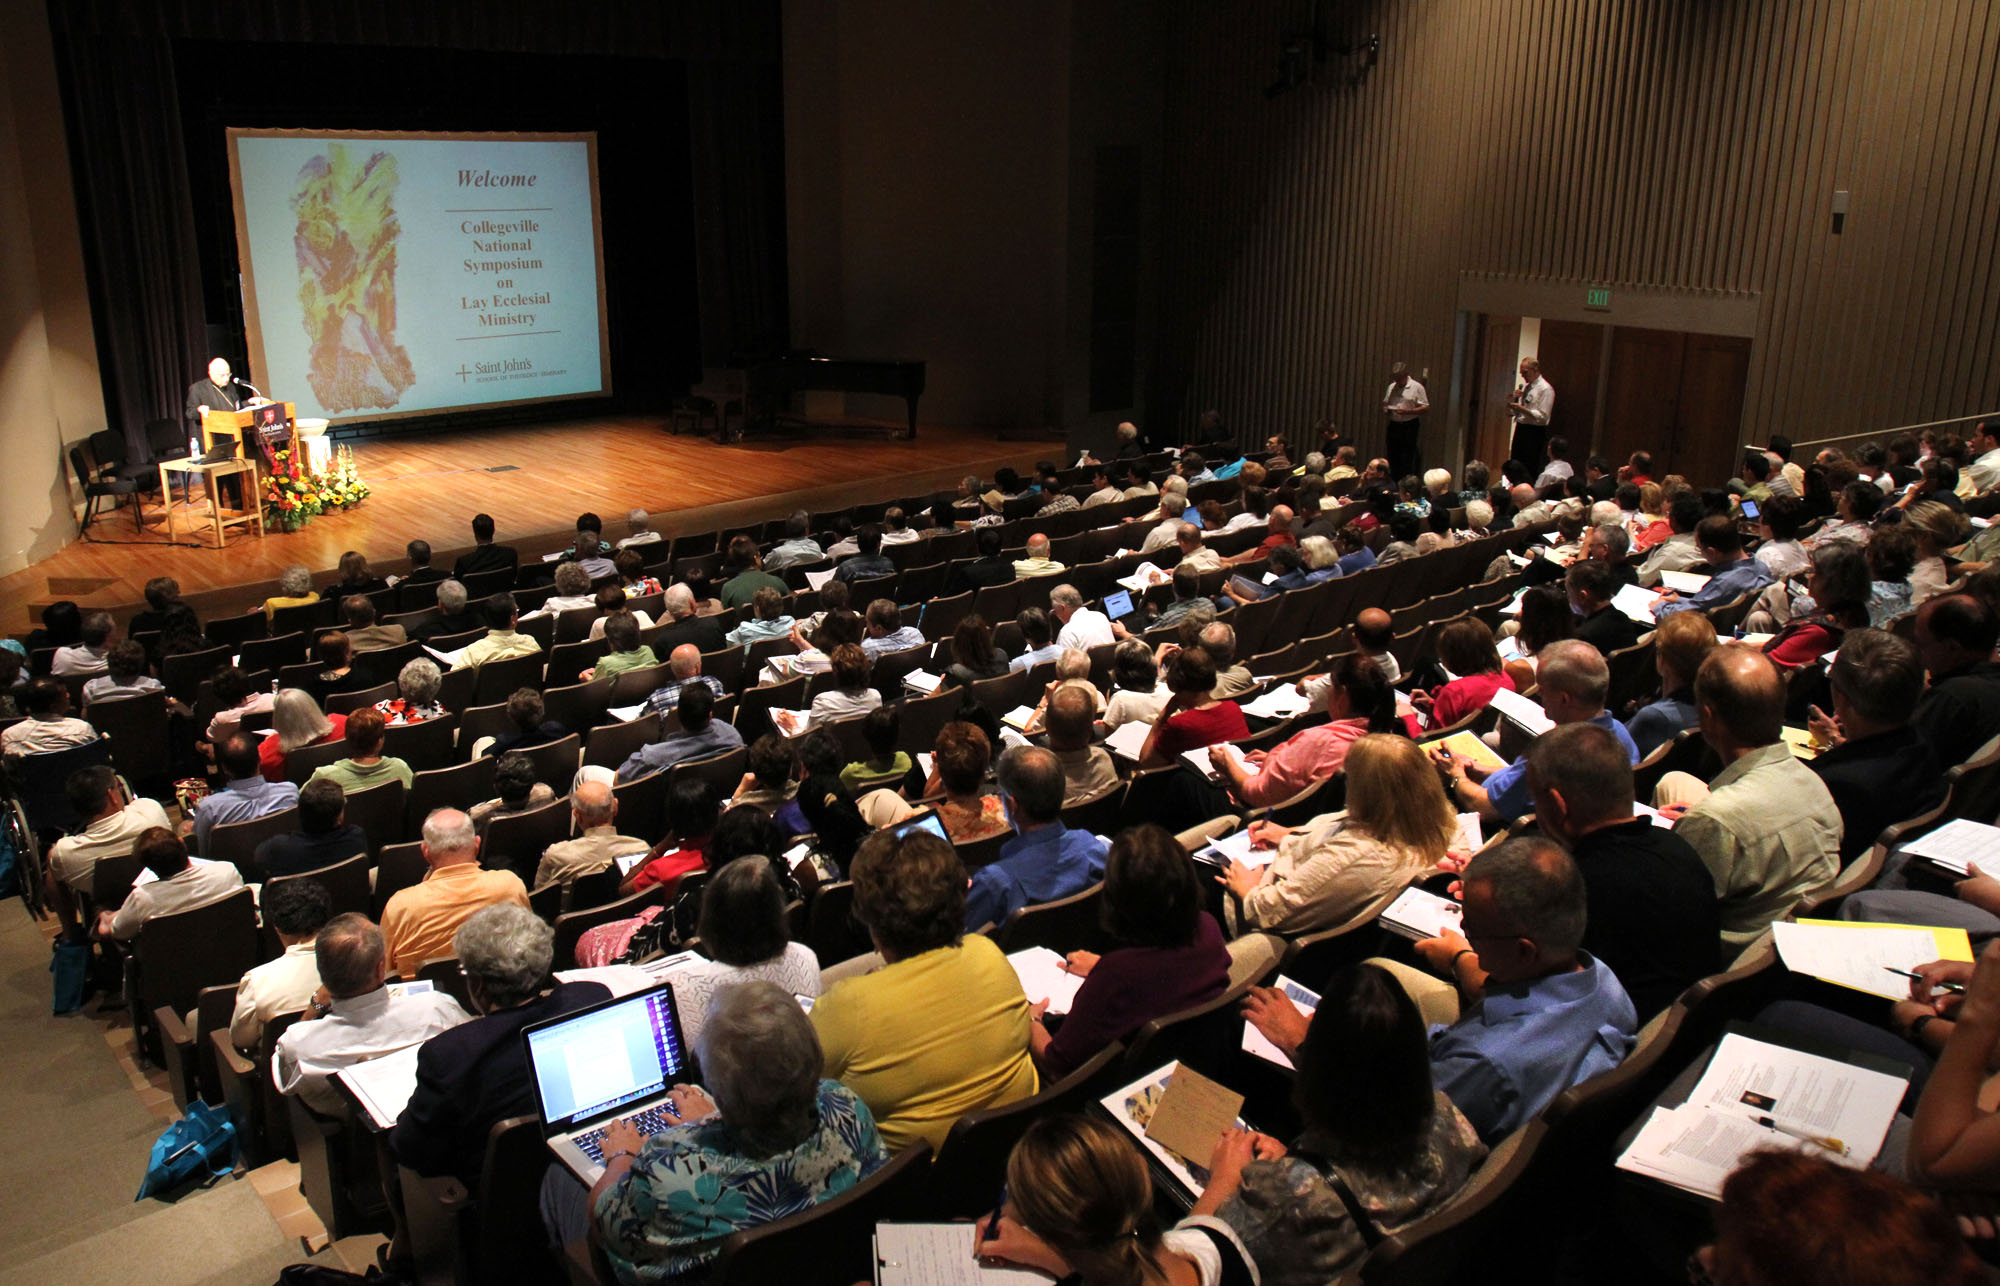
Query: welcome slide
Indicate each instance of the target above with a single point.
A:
(394, 274)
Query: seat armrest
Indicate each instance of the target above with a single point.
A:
(177, 1050)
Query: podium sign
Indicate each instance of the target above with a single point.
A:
(273, 420)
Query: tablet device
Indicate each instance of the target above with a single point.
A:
(924, 821)
(1750, 509)
(1118, 606)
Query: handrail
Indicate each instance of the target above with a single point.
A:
(1800, 449)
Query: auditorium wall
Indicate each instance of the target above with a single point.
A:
(1313, 237)
(50, 394)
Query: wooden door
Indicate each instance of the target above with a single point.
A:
(1499, 350)
(1714, 371)
(1571, 353)
(1641, 406)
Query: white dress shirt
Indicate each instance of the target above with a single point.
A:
(1085, 630)
(1413, 402)
(358, 1029)
(74, 858)
(202, 884)
(1540, 401)
(272, 988)
(1985, 471)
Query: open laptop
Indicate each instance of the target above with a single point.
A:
(1118, 606)
(615, 1059)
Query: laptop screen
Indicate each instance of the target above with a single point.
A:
(1118, 606)
(595, 1060)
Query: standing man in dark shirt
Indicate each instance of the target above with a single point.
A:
(485, 556)
(479, 1077)
(322, 839)
(1653, 916)
(216, 392)
(1960, 712)
(1883, 770)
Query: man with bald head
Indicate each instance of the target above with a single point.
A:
(1038, 562)
(684, 663)
(1046, 860)
(1572, 679)
(217, 392)
(598, 843)
(419, 921)
(1528, 505)
(1766, 827)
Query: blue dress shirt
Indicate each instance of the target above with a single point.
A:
(1358, 561)
(680, 748)
(240, 801)
(1510, 1055)
(1507, 789)
(1744, 576)
(1041, 865)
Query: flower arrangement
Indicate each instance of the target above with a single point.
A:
(295, 493)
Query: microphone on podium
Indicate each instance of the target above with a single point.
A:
(247, 384)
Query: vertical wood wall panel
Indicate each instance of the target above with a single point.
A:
(1311, 239)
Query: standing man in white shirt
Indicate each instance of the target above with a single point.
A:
(1404, 404)
(1082, 628)
(1531, 406)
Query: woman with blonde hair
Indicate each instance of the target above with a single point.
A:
(1343, 868)
(1651, 526)
(296, 722)
(1936, 529)
(1079, 1206)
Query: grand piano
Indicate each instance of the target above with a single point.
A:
(770, 381)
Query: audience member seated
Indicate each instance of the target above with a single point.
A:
(502, 640)
(1882, 770)
(296, 722)
(13, 683)
(1069, 717)
(797, 547)
(988, 567)
(767, 1138)
(526, 712)
(1138, 695)
(178, 883)
(453, 617)
(365, 765)
(1892, 556)
(692, 811)
(1187, 601)
(684, 664)
(1218, 639)
(633, 579)
(768, 785)
(1371, 1115)
(885, 765)
(1836, 600)
(356, 577)
(1046, 860)
(419, 921)
(1193, 716)
(1766, 827)
(1359, 701)
(295, 589)
(124, 675)
(354, 1018)
(1732, 573)
(768, 620)
(973, 655)
(1038, 562)
(1573, 680)
(295, 910)
(1680, 644)
(623, 650)
(746, 574)
(1788, 1217)
(744, 937)
(338, 672)
(942, 1028)
(1083, 628)
(421, 572)
(850, 694)
(1343, 868)
(245, 796)
(1465, 648)
(1546, 617)
(886, 631)
(959, 762)
(163, 599)
(363, 634)
(598, 843)
(1592, 584)
(572, 592)
(1937, 531)
(1653, 917)
(49, 726)
(701, 736)
(1168, 956)
(1960, 711)
(475, 1075)
(1678, 551)
(485, 556)
(322, 839)
(684, 626)
(1078, 1205)
(113, 820)
(416, 699)
(515, 790)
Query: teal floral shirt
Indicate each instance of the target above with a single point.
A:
(691, 1186)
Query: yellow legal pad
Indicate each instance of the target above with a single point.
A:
(1952, 944)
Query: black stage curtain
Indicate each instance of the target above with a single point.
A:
(683, 96)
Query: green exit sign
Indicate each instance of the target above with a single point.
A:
(1598, 298)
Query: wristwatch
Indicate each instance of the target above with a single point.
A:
(1917, 1027)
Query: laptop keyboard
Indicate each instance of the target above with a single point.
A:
(656, 1119)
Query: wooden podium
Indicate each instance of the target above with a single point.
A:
(233, 424)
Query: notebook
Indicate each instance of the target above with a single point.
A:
(616, 1059)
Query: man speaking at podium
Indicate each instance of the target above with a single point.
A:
(216, 393)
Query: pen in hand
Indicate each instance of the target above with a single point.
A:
(1955, 988)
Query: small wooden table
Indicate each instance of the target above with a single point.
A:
(219, 518)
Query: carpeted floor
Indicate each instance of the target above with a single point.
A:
(75, 1130)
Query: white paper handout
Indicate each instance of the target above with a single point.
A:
(1043, 977)
(816, 581)
(1281, 702)
(923, 681)
(1859, 956)
(1019, 717)
(1513, 607)
(939, 1254)
(1128, 739)
(1636, 603)
(1255, 1042)
(1198, 760)
(1683, 582)
(450, 659)
(1144, 577)
(384, 1085)
(1957, 844)
(1236, 848)
(1524, 711)
(626, 714)
(1417, 915)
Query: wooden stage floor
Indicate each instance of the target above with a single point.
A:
(534, 480)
